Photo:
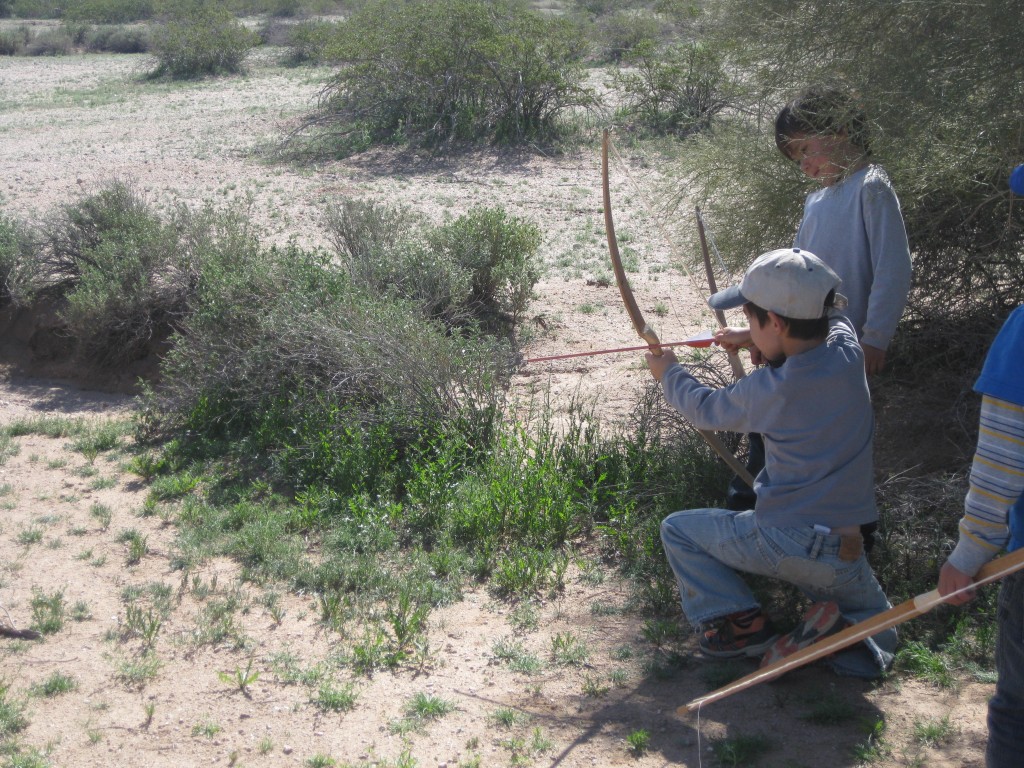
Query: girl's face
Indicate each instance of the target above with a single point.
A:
(823, 157)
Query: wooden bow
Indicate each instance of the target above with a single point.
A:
(637, 318)
(910, 609)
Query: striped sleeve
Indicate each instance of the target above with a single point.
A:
(997, 481)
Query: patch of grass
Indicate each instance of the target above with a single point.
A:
(425, 706)
(922, 662)
(102, 514)
(240, 679)
(741, 751)
(874, 746)
(718, 673)
(829, 709)
(206, 728)
(47, 611)
(30, 536)
(136, 545)
(569, 650)
(136, 671)
(638, 741)
(54, 685)
(934, 732)
(508, 717)
(330, 698)
(12, 713)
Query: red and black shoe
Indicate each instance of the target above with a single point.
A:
(747, 633)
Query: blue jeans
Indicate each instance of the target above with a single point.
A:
(706, 548)
(1006, 708)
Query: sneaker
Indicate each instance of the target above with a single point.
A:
(820, 620)
(736, 636)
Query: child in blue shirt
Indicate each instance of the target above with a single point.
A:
(994, 518)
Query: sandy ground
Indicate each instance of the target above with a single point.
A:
(70, 124)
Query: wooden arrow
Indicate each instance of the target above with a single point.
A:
(992, 571)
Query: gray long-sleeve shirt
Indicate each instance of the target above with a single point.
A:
(814, 412)
(856, 228)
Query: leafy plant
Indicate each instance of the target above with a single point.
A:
(200, 39)
(455, 69)
(638, 741)
(241, 679)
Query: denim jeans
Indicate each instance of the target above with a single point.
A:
(706, 548)
(1006, 708)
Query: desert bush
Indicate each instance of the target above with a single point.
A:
(675, 90)
(109, 11)
(479, 268)
(15, 256)
(200, 39)
(117, 39)
(111, 259)
(13, 41)
(622, 32)
(312, 42)
(455, 69)
(55, 42)
(498, 251)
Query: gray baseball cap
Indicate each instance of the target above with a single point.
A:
(789, 281)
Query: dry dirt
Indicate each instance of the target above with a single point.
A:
(70, 124)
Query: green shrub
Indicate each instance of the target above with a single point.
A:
(55, 42)
(498, 252)
(15, 258)
(452, 69)
(622, 32)
(13, 41)
(312, 42)
(117, 39)
(114, 269)
(109, 11)
(480, 268)
(200, 39)
(672, 91)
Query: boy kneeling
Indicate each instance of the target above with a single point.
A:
(812, 405)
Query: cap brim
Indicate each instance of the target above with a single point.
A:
(730, 298)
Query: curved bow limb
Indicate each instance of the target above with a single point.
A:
(637, 318)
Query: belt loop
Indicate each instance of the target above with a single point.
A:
(819, 539)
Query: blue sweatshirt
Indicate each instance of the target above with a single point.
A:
(814, 412)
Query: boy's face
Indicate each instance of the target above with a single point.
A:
(768, 337)
(822, 157)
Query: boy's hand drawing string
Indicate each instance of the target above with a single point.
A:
(636, 316)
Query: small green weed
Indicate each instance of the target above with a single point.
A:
(934, 733)
(509, 718)
(206, 728)
(922, 662)
(638, 741)
(332, 699)
(30, 536)
(743, 750)
(47, 611)
(569, 650)
(12, 713)
(239, 679)
(56, 684)
(102, 514)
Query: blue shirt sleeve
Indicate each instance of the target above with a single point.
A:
(1001, 376)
